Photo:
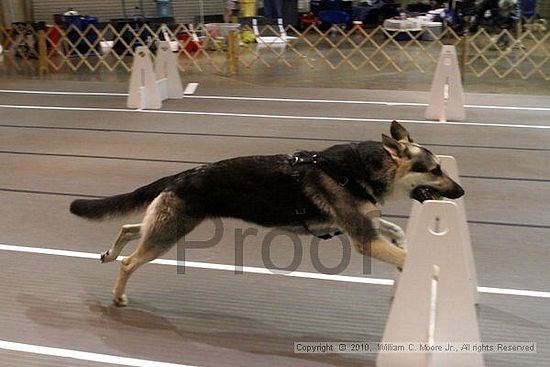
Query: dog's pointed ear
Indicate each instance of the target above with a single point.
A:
(399, 133)
(393, 147)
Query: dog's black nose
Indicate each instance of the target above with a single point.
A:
(457, 192)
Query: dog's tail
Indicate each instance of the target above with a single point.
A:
(120, 204)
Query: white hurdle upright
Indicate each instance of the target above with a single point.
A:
(446, 96)
(449, 165)
(150, 86)
(168, 76)
(434, 300)
(143, 92)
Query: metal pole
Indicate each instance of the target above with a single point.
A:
(463, 56)
(201, 12)
(518, 20)
(142, 9)
(232, 57)
(42, 53)
(124, 13)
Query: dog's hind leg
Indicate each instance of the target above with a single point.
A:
(128, 232)
(165, 223)
(147, 251)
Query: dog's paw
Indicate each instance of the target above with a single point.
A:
(393, 233)
(107, 257)
(121, 301)
(399, 242)
(396, 237)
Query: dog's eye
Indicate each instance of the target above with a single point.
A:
(419, 167)
(436, 171)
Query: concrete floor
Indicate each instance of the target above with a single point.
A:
(93, 146)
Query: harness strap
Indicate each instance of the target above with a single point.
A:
(324, 237)
(333, 171)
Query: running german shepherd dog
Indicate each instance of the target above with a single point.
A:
(308, 192)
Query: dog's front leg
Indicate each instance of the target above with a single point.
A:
(393, 232)
(366, 236)
(380, 249)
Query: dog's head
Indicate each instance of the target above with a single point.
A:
(418, 172)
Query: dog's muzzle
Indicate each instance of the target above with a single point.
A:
(423, 193)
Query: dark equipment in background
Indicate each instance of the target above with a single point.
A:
(77, 24)
(133, 24)
(24, 35)
(373, 14)
(289, 13)
(494, 16)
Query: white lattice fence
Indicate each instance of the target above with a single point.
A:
(205, 48)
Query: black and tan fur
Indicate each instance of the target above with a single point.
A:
(265, 190)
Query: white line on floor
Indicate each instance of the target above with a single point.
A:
(62, 93)
(84, 356)
(257, 270)
(286, 100)
(282, 117)
(302, 100)
(384, 103)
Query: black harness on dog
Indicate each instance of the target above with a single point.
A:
(334, 172)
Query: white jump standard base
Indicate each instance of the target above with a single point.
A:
(436, 293)
(447, 95)
(150, 86)
(449, 165)
(434, 302)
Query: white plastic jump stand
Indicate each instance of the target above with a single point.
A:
(150, 86)
(434, 302)
(166, 70)
(450, 167)
(446, 96)
(143, 92)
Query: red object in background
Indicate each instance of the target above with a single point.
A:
(309, 19)
(190, 45)
(54, 37)
(54, 34)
